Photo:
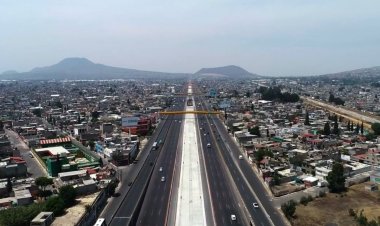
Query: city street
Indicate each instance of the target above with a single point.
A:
(34, 167)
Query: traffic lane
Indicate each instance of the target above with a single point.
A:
(205, 181)
(125, 211)
(253, 181)
(262, 195)
(129, 203)
(258, 216)
(220, 196)
(35, 170)
(154, 208)
(130, 173)
(224, 205)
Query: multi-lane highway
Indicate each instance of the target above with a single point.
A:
(229, 184)
(128, 210)
(224, 200)
(250, 187)
(155, 209)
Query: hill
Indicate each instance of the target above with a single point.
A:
(230, 71)
(84, 69)
(372, 72)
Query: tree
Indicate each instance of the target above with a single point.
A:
(326, 129)
(336, 178)
(276, 178)
(357, 128)
(376, 128)
(335, 128)
(9, 185)
(307, 120)
(37, 112)
(56, 205)
(259, 155)
(297, 160)
(362, 129)
(255, 131)
(289, 208)
(91, 143)
(252, 107)
(331, 98)
(68, 194)
(20, 215)
(370, 136)
(112, 186)
(95, 114)
(42, 183)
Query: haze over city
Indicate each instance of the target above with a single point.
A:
(274, 38)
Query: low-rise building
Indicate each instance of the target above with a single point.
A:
(43, 219)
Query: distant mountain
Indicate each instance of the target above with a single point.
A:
(10, 72)
(84, 69)
(230, 71)
(372, 72)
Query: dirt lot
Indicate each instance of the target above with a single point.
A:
(73, 214)
(334, 209)
(286, 189)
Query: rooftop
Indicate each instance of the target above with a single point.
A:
(58, 150)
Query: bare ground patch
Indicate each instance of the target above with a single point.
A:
(73, 214)
(334, 208)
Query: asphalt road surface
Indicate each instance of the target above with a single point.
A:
(155, 209)
(34, 168)
(250, 187)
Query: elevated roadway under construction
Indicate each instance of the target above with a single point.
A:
(348, 114)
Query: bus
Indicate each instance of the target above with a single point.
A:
(101, 222)
(190, 102)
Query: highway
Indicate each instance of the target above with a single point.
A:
(127, 211)
(250, 187)
(156, 205)
(223, 198)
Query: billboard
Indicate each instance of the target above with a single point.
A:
(129, 121)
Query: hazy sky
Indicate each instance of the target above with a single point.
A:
(268, 37)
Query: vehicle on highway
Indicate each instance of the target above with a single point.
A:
(160, 169)
(208, 145)
(255, 205)
(162, 179)
(240, 157)
(154, 146)
(101, 222)
(233, 217)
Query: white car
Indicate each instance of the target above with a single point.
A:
(162, 179)
(161, 169)
(208, 145)
(255, 205)
(240, 157)
(233, 217)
